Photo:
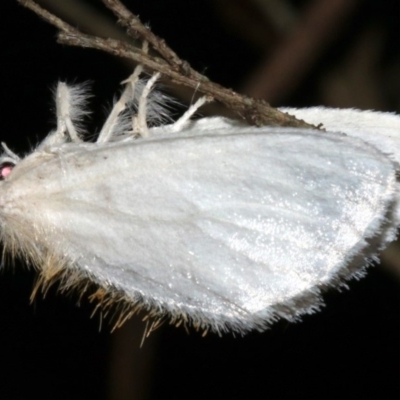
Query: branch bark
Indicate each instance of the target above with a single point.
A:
(253, 111)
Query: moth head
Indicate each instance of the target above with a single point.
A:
(8, 160)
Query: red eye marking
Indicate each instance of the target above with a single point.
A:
(5, 170)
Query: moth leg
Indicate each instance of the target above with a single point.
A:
(112, 122)
(64, 121)
(181, 122)
(140, 123)
(70, 106)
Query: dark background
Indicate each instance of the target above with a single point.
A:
(52, 349)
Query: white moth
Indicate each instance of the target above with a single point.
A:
(217, 225)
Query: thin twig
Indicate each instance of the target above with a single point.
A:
(135, 29)
(255, 112)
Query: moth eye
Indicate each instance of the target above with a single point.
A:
(5, 170)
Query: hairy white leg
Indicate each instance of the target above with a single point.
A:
(179, 124)
(70, 109)
(64, 120)
(127, 95)
(142, 112)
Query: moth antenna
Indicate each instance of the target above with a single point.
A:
(113, 122)
(179, 124)
(142, 109)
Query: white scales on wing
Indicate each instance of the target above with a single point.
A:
(221, 225)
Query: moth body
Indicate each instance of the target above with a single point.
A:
(219, 225)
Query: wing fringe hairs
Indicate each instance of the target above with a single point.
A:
(211, 224)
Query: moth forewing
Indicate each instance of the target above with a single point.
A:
(222, 226)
